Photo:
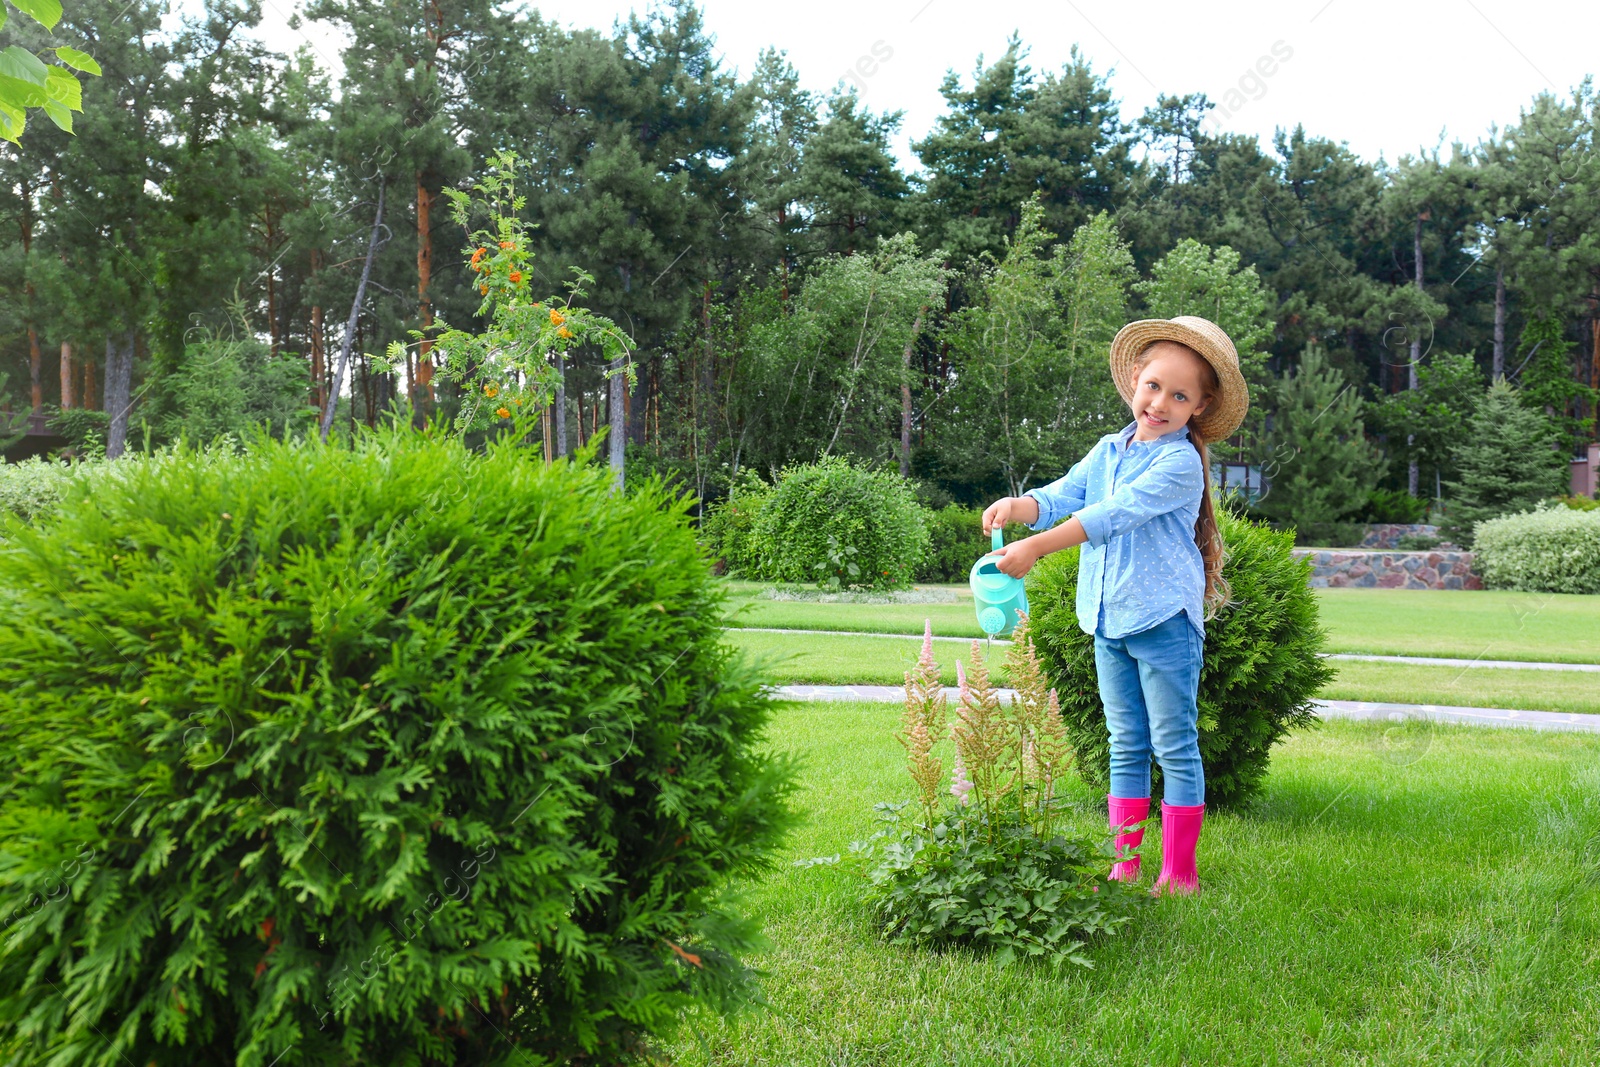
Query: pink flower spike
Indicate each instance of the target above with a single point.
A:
(961, 681)
(927, 640)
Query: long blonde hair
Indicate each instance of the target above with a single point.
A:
(1207, 533)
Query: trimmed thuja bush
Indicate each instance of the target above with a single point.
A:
(839, 526)
(1261, 671)
(1550, 550)
(986, 863)
(397, 755)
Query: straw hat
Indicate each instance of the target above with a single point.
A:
(1226, 410)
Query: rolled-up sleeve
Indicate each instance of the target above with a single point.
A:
(1171, 482)
(1062, 497)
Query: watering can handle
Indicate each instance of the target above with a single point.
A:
(996, 540)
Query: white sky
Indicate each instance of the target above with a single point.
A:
(1386, 77)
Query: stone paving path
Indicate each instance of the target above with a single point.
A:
(1421, 661)
(1328, 709)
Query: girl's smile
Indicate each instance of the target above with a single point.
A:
(1167, 391)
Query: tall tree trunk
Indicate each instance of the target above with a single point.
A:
(905, 395)
(616, 415)
(319, 362)
(581, 436)
(1498, 368)
(561, 405)
(355, 313)
(1416, 353)
(66, 375)
(89, 400)
(36, 388)
(424, 306)
(119, 384)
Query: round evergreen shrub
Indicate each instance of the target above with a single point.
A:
(840, 525)
(1549, 550)
(402, 754)
(1261, 670)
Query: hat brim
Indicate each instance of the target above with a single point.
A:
(1227, 409)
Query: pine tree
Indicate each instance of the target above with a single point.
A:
(1321, 467)
(1507, 462)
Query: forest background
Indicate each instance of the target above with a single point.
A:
(187, 262)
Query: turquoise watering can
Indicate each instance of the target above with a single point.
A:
(997, 596)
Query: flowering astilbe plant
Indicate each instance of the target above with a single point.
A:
(511, 369)
(988, 862)
(923, 724)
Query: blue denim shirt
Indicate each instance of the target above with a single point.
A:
(1138, 502)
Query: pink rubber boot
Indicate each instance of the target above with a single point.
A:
(1124, 812)
(1180, 832)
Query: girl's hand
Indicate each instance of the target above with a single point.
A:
(1016, 559)
(997, 514)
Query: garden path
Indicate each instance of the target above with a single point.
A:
(1424, 661)
(1328, 709)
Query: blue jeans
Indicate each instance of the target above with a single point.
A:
(1148, 684)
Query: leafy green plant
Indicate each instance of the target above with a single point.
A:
(394, 753)
(28, 82)
(1394, 506)
(33, 487)
(1261, 671)
(728, 528)
(1418, 542)
(988, 864)
(509, 372)
(955, 541)
(1579, 503)
(822, 517)
(1548, 550)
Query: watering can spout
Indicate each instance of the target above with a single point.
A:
(1000, 599)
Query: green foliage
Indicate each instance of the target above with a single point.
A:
(1507, 461)
(1549, 381)
(955, 541)
(33, 487)
(28, 82)
(985, 864)
(1000, 887)
(1033, 394)
(1394, 506)
(1192, 279)
(1418, 542)
(84, 429)
(1322, 466)
(395, 753)
(839, 525)
(1327, 534)
(1548, 550)
(729, 527)
(1262, 667)
(1424, 424)
(509, 370)
(1580, 503)
(227, 384)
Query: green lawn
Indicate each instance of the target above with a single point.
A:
(1558, 627)
(843, 659)
(1362, 912)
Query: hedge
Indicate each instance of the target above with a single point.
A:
(396, 754)
(1261, 670)
(1549, 550)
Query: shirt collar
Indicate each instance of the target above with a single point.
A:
(1125, 438)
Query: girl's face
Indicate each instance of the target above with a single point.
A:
(1167, 390)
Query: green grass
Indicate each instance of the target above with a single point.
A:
(843, 659)
(1479, 687)
(816, 659)
(1556, 627)
(1364, 911)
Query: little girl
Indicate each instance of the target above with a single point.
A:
(1151, 569)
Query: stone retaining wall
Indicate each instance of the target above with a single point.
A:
(1388, 534)
(1337, 569)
